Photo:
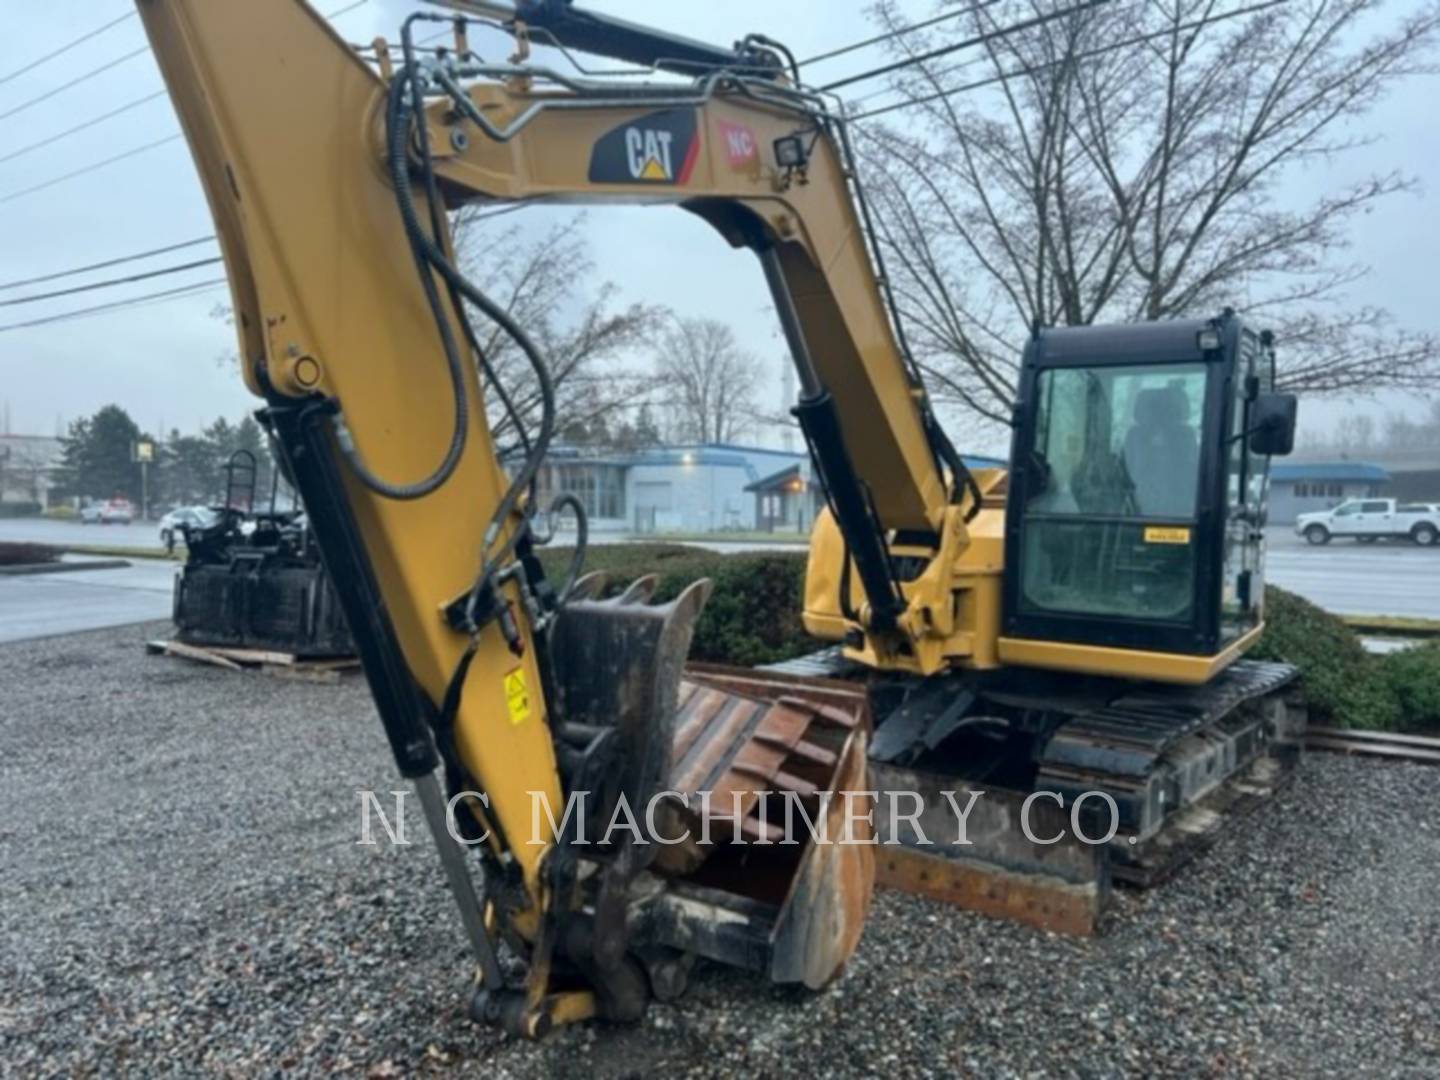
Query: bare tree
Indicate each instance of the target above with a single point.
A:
(1403, 433)
(708, 380)
(1355, 432)
(545, 282)
(1125, 162)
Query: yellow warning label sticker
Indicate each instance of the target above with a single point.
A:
(517, 697)
(1166, 534)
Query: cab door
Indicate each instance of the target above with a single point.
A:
(1112, 506)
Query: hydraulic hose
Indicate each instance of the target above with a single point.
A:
(431, 253)
(582, 537)
(395, 123)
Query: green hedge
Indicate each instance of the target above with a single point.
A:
(1344, 684)
(1412, 676)
(1339, 675)
(753, 617)
(19, 509)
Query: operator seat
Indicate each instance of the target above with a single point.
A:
(1162, 454)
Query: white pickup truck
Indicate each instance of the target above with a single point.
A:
(1367, 520)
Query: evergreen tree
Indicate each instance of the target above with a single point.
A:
(190, 471)
(98, 452)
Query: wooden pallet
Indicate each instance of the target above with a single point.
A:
(281, 665)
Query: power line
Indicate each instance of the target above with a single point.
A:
(483, 216)
(65, 48)
(85, 76)
(346, 8)
(74, 82)
(1086, 55)
(501, 211)
(974, 61)
(111, 282)
(114, 112)
(134, 301)
(81, 127)
(900, 32)
(88, 168)
(968, 43)
(91, 74)
(106, 263)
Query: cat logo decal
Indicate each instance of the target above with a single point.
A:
(659, 148)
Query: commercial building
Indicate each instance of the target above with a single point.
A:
(1298, 488)
(788, 500)
(29, 467)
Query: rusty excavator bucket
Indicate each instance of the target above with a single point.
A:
(748, 792)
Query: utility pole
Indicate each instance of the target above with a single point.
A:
(787, 395)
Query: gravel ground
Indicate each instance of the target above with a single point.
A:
(182, 893)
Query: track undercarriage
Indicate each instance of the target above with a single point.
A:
(1024, 795)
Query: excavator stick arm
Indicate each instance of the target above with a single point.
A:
(329, 185)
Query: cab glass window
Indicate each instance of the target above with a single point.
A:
(1112, 487)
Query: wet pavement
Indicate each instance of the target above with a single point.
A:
(39, 605)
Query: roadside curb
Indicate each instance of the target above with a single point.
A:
(63, 567)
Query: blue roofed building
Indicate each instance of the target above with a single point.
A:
(1299, 488)
(686, 488)
(699, 488)
(788, 499)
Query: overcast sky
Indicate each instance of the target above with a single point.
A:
(160, 360)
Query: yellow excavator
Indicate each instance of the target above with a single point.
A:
(1073, 625)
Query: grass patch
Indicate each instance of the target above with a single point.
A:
(23, 553)
(798, 539)
(120, 551)
(1395, 625)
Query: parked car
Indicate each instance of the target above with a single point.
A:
(172, 525)
(117, 512)
(90, 513)
(1368, 520)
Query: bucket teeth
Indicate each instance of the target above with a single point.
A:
(588, 586)
(639, 591)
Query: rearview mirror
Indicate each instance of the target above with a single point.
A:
(1272, 424)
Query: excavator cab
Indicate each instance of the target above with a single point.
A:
(1136, 507)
